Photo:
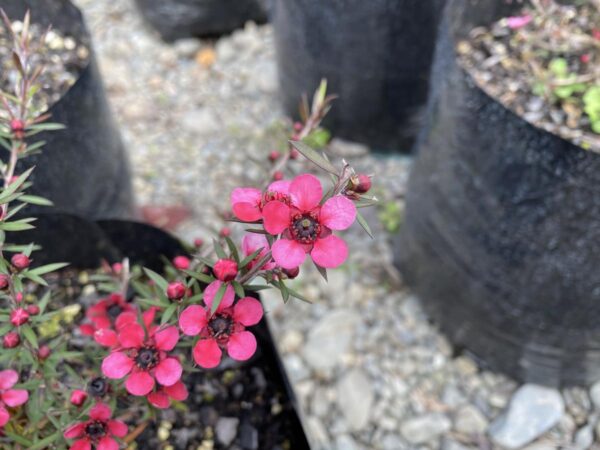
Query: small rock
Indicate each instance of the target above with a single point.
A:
(469, 420)
(584, 438)
(296, 368)
(292, 340)
(449, 444)
(424, 428)
(345, 442)
(392, 442)
(248, 437)
(595, 394)
(187, 47)
(330, 339)
(227, 429)
(201, 121)
(317, 432)
(355, 398)
(532, 411)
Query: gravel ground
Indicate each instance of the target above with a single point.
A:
(369, 370)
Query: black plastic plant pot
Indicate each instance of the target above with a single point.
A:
(501, 239)
(376, 56)
(82, 169)
(86, 244)
(176, 19)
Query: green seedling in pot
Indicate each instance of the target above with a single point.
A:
(591, 101)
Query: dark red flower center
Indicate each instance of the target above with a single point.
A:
(114, 310)
(97, 387)
(147, 358)
(95, 430)
(274, 196)
(220, 326)
(305, 227)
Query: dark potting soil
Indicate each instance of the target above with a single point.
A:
(238, 406)
(544, 64)
(62, 57)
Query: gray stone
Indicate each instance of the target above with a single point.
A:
(419, 430)
(469, 420)
(355, 398)
(392, 442)
(296, 368)
(595, 394)
(201, 121)
(317, 433)
(330, 339)
(584, 438)
(227, 429)
(532, 411)
(345, 442)
(187, 47)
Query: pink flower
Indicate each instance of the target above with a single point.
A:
(247, 203)
(19, 317)
(104, 313)
(20, 261)
(518, 21)
(144, 360)
(10, 397)
(225, 269)
(176, 290)
(181, 262)
(97, 431)
(161, 398)
(225, 329)
(306, 226)
(253, 242)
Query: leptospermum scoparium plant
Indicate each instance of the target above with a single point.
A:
(91, 377)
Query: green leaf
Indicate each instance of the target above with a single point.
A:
(314, 156)
(19, 439)
(232, 249)
(200, 276)
(4, 143)
(35, 278)
(322, 271)
(168, 313)
(43, 303)
(295, 294)
(29, 335)
(35, 200)
(45, 442)
(238, 288)
(285, 293)
(15, 185)
(319, 138)
(48, 268)
(251, 257)
(17, 225)
(363, 223)
(219, 250)
(160, 281)
(218, 297)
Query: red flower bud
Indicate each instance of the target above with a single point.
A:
(278, 175)
(4, 281)
(19, 297)
(225, 232)
(33, 310)
(181, 262)
(18, 317)
(291, 273)
(117, 268)
(274, 155)
(78, 397)
(198, 242)
(298, 126)
(17, 127)
(225, 269)
(11, 340)
(596, 34)
(361, 183)
(294, 154)
(43, 352)
(20, 261)
(176, 290)
(295, 137)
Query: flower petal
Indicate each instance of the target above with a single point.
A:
(248, 311)
(107, 443)
(192, 320)
(276, 217)
(166, 339)
(132, 335)
(338, 213)
(100, 411)
(288, 254)
(116, 365)
(106, 337)
(241, 346)
(168, 372)
(81, 444)
(87, 329)
(117, 428)
(178, 391)
(148, 316)
(212, 289)
(139, 383)
(329, 252)
(159, 400)
(15, 397)
(74, 431)
(244, 203)
(207, 353)
(4, 416)
(254, 241)
(280, 186)
(125, 318)
(8, 378)
(306, 192)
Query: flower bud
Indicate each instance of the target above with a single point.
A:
(78, 397)
(225, 269)
(291, 273)
(11, 340)
(4, 281)
(176, 290)
(585, 58)
(274, 155)
(298, 126)
(20, 261)
(181, 262)
(278, 175)
(19, 317)
(225, 232)
(19, 297)
(198, 242)
(33, 310)
(17, 126)
(294, 154)
(97, 387)
(117, 268)
(360, 183)
(44, 352)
